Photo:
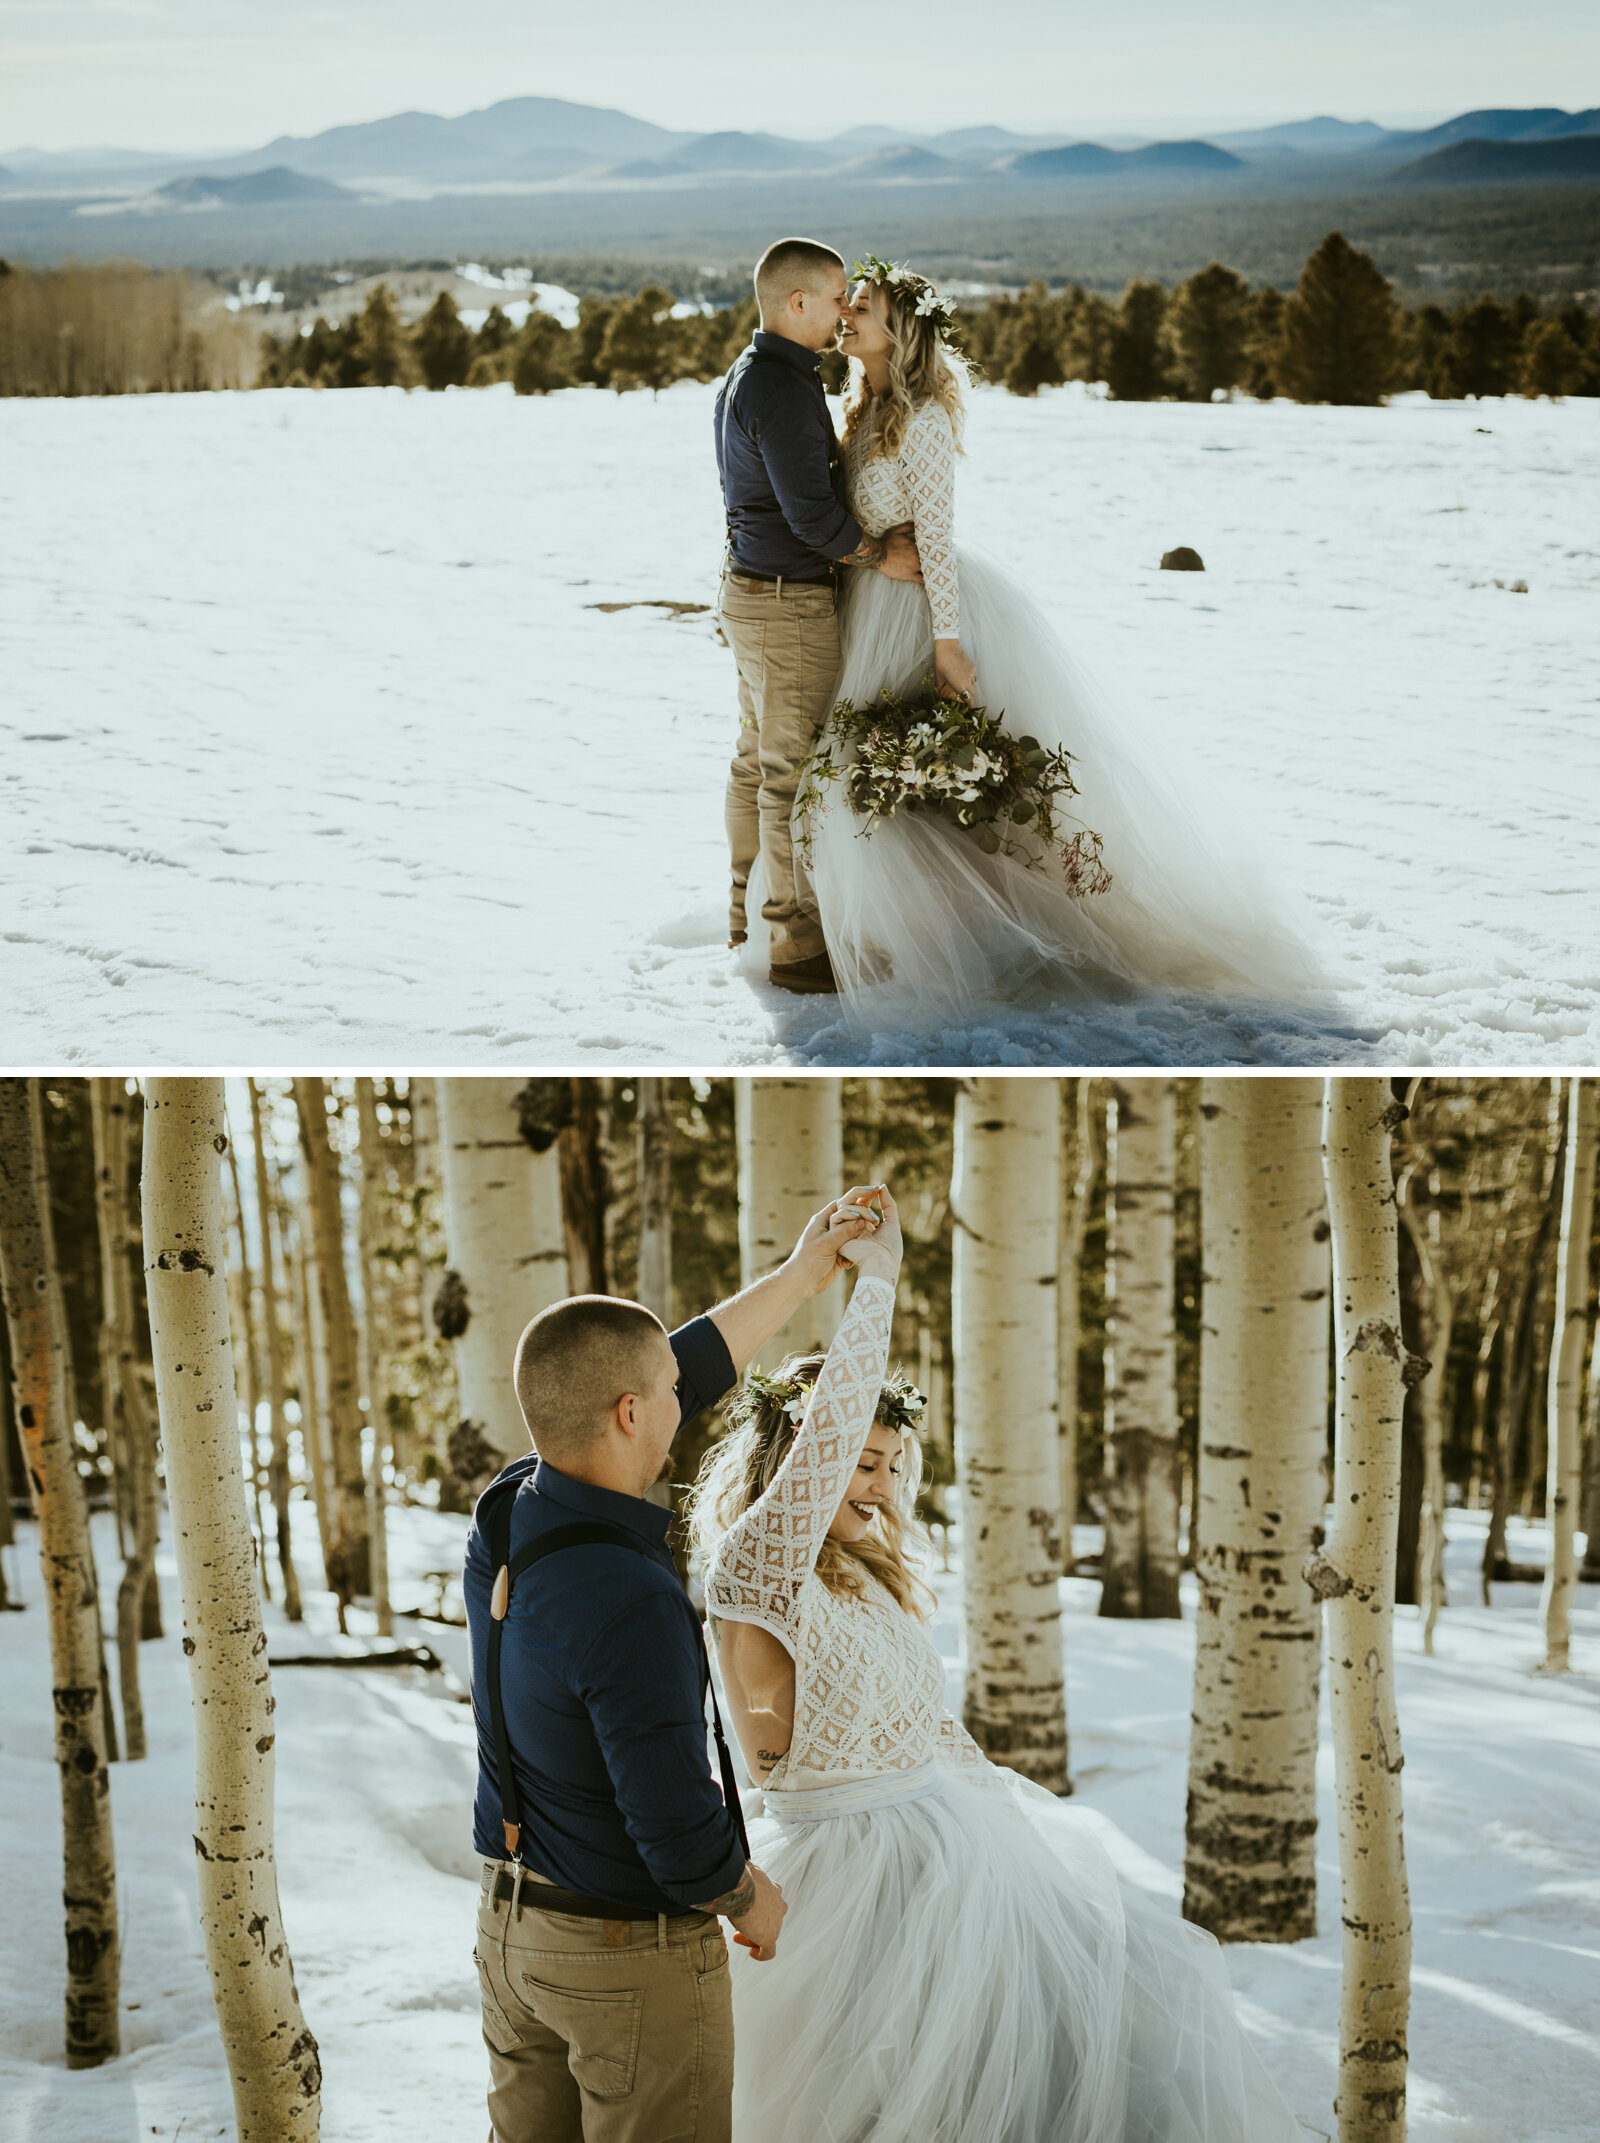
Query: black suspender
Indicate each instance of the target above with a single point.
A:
(508, 1568)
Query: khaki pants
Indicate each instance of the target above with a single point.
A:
(785, 640)
(604, 2031)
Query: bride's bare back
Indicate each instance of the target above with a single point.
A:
(758, 1675)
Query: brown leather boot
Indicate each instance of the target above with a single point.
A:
(808, 977)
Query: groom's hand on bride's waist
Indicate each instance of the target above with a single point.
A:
(893, 554)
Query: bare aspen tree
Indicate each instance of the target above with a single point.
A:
(340, 1349)
(124, 1395)
(507, 1245)
(1004, 1199)
(1250, 1855)
(1080, 1167)
(1139, 1487)
(272, 1332)
(654, 1138)
(36, 1329)
(1354, 1574)
(375, 1346)
(309, 1377)
(271, 2055)
(241, 1291)
(791, 1162)
(1566, 1374)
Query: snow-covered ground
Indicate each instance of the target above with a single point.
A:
(375, 1776)
(317, 742)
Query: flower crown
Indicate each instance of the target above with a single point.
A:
(916, 289)
(900, 1407)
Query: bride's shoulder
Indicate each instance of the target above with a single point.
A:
(931, 420)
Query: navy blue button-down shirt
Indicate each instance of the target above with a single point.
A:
(778, 461)
(603, 1676)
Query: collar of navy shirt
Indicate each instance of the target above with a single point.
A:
(602, 1517)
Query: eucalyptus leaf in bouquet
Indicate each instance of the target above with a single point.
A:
(929, 753)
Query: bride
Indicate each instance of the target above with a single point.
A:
(918, 906)
(959, 1962)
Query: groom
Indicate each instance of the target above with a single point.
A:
(789, 533)
(603, 1971)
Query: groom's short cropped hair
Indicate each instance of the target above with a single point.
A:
(576, 1360)
(793, 264)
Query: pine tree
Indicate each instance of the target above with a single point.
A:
(1209, 323)
(1261, 342)
(1090, 329)
(1340, 339)
(1485, 348)
(1137, 365)
(379, 343)
(542, 356)
(594, 322)
(1552, 363)
(641, 341)
(443, 345)
(1032, 355)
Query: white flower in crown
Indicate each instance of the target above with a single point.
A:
(796, 1407)
(929, 303)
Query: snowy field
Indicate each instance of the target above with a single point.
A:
(317, 743)
(375, 1777)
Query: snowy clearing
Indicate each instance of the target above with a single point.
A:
(315, 743)
(375, 1774)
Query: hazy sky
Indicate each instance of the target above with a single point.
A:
(195, 74)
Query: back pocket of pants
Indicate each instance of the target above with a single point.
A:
(601, 2031)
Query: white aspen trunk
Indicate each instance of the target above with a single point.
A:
(1140, 1482)
(1354, 1573)
(308, 1371)
(1077, 1189)
(1250, 1856)
(507, 1243)
(36, 1328)
(791, 1163)
(338, 1331)
(654, 1140)
(375, 1348)
(241, 1288)
(1565, 1460)
(136, 1437)
(277, 1427)
(1430, 1408)
(272, 2057)
(1004, 1198)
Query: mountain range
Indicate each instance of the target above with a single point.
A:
(537, 142)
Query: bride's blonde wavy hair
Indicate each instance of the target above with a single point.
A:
(743, 1464)
(922, 368)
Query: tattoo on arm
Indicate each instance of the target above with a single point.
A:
(735, 1903)
(871, 551)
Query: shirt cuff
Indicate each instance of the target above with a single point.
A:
(723, 1878)
(847, 541)
(705, 1367)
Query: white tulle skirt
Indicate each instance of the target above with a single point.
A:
(961, 1964)
(919, 920)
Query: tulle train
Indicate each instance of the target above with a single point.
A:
(966, 1967)
(917, 914)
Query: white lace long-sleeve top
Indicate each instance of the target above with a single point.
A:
(919, 486)
(869, 1682)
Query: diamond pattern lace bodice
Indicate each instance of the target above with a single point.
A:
(918, 486)
(869, 1682)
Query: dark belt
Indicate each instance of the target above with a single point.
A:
(794, 580)
(551, 1897)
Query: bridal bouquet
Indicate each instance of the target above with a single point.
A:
(930, 753)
